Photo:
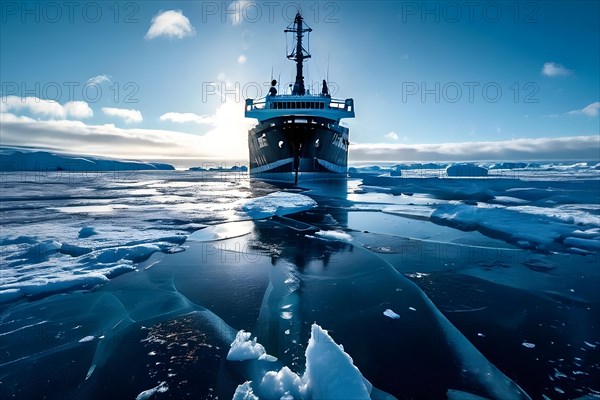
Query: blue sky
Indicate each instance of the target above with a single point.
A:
(443, 75)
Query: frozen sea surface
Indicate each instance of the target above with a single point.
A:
(139, 284)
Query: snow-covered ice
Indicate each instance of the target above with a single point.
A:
(166, 273)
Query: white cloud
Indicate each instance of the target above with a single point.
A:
(128, 115)
(183, 118)
(226, 137)
(574, 147)
(172, 24)
(78, 109)
(392, 135)
(242, 59)
(45, 108)
(591, 110)
(238, 9)
(552, 69)
(98, 79)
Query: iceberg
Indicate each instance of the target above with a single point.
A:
(330, 372)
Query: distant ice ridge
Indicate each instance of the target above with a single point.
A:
(43, 161)
(551, 170)
(330, 374)
(278, 203)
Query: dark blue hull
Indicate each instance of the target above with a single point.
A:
(296, 149)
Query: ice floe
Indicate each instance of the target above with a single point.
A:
(278, 203)
(334, 235)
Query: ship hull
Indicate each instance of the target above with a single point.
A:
(298, 149)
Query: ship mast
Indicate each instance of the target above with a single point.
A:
(298, 54)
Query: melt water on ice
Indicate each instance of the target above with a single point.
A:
(402, 282)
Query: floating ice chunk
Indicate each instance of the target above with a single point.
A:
(117, 270)
(292, 282)
(418, 275)
(559, 374)
(74, 250)
(334, 235)
(244, 348)
(287, 314)
(244, 392)
(389, 313)
(86, 232)
(87, 339)
(147, 394)
(276, 384)
(466, 170)
(594, 232)
(528, 345)
(267, 357)
(135, 253)
(40, 252)
(278, 203)
(330, 371)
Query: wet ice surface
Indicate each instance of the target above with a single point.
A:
(135, 285)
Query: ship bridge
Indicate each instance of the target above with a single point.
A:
(274, 106)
